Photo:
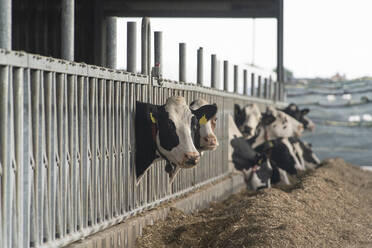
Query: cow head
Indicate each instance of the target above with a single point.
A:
(207, 140)
(247, 119)
(177, 126)
(278, 124)
(258, 176)
(300, 115)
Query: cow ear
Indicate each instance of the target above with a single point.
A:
(305, 111)
(205, 112)
(267, 119)
(154, 114)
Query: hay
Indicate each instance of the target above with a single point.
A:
(329, 207)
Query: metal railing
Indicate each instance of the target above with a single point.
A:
(67, 148)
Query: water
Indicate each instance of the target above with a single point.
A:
(342, 113)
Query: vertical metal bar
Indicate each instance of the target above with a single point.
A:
(269, 85)
(225, 75)
(111, 46)
(253, 90)
(6, 187)
(182, 62)
(6, 24)
(68, 29)
(21, 176)
(236, 79)
(27, 159)
(259, 88)
(280, 17)
(82, 93)
(51, 139)
(200, 67)
(132, 47)
(158, 50)
(61, 118)
(218, 85)
(72, 149)
(145, 46)
(214, 71)
(245, 82)
(265, 89)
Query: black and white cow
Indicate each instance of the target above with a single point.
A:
(304, 150)
(206, 138)
(168, 131)
(300, 115)
(247, 118)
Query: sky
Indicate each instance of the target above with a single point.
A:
(321, 38)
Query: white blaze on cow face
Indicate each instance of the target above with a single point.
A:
(208, 139)
(252, 118)
(178, 122)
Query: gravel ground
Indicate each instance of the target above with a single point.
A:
(328, 207)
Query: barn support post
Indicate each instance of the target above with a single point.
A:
(252, 84)
(200, 66)
(245, 82)
(182, 62)
(280, 68)
(6, 24)
(225, 75)
(132, 47)
(68, 29)
(236, 80)
(213, 71)
(145, 46)
(111, 31)
(158, 58)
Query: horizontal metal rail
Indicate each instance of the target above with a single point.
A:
(67, 148)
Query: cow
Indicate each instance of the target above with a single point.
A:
(275, 124)
(311, 161)
(300, 115)
(255, 166)
(206, 138)
(247, 118)
(168, 131)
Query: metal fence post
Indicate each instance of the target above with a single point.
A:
(214, 71)
(266, 91)
(111, 42)
(270, 85)
(225, 75)
(252, 85)
(200, 67)
(236, 80)
(132, 46)
(145, 46)
(245, 82)
(6, 24)
(68, 29)
(158, 46)
(182, 62)
(259, 88)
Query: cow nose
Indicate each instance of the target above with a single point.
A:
(210, 140)
(247, 130)
(192, 158)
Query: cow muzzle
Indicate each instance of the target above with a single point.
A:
(210, 143)
(190, 159)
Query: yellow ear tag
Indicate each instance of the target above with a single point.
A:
(203, 120)
(271, 144)
(152, 118)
